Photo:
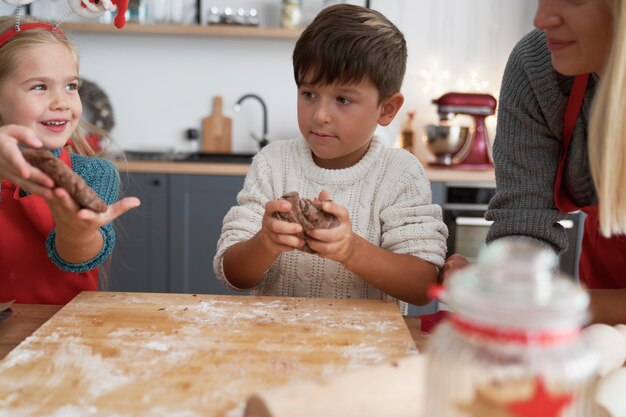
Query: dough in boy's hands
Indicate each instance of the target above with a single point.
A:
(309, 214)
(65, 178)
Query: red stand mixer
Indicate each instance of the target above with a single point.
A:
(457, 152)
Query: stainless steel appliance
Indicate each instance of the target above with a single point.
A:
(464, 213)
(452, 149)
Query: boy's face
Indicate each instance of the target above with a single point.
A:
(338, 120)
(42, 94)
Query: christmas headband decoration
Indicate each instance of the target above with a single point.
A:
(84, 8)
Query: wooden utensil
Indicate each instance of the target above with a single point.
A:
(216, 130)
(392, 389)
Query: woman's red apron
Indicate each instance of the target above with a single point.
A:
(602, 260)
(27, 274)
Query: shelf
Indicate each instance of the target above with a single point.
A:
(184, 30)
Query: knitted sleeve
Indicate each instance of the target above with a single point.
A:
(102, 176)
(527, 148)
(244, 220)
(410, 223)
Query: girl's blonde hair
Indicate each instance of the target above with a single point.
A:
(10, 55)
(607, 132)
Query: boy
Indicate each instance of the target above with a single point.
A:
(349, 64)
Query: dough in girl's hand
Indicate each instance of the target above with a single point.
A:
(65, 178)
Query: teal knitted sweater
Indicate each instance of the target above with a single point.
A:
(102, 176)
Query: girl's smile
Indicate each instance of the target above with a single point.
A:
(42, 94)
(57, 126)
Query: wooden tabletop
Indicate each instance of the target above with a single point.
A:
(139, 354)
(27, 318)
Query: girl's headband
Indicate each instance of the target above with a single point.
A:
(16, 30)
(85, 8)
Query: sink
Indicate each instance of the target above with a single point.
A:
(229, 158)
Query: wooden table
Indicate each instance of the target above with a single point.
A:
(153, 354)
(27, 318)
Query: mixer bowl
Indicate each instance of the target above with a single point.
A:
(444, 141)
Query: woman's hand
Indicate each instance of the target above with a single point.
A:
(276, 235)
(454, 263)
(337, 243)
(77, 236)
(14, 168)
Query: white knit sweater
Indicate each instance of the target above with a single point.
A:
(389, 200)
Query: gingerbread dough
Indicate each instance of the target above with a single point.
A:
(65, 178)
(309, 214)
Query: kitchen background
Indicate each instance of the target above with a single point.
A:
(161, 85)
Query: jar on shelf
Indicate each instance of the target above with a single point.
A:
(511, 345)
(291, 14)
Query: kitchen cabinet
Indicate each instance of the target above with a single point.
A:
(198, 204)
(139, 261)
(167, 244)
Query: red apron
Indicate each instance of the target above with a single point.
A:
(602, 260)
(27, 274)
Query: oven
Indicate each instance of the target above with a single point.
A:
(464, 209)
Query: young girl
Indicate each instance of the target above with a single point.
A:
(349, 65)
(49, 247)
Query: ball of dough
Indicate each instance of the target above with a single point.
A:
(309, 214)
(621, 328)
(65, 178)
(610, 393)
(609, 343)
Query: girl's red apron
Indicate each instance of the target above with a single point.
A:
(602, 260)
(27, 274)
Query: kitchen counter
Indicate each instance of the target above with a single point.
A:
(138, 354)
(199, 168)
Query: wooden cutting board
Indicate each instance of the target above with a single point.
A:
(136, 354)
(216, 130)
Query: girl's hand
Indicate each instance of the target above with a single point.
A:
(14, 168)
(68, 216)
(454, 263)
(337, 243)
(276, 235)
(77, 236)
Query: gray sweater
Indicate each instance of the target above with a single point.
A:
(527, 147)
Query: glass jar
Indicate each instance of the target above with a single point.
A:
(511, 346)
(291, 14)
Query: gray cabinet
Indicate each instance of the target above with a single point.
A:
(198, 204)
(140, 259)
(167, 244)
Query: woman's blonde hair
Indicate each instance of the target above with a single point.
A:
(10, 55)
(607, 132)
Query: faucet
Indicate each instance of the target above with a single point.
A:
(263, 140)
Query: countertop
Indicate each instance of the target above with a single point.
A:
(200, 168)
(138, 354)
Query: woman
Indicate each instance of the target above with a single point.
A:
(556, 152)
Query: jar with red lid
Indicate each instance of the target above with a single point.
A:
(511, 345)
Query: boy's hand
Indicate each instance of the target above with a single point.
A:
(279, 236)
(455, 262)
(14, 168)
(337, 243)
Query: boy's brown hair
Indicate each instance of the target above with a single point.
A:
(345, 43)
